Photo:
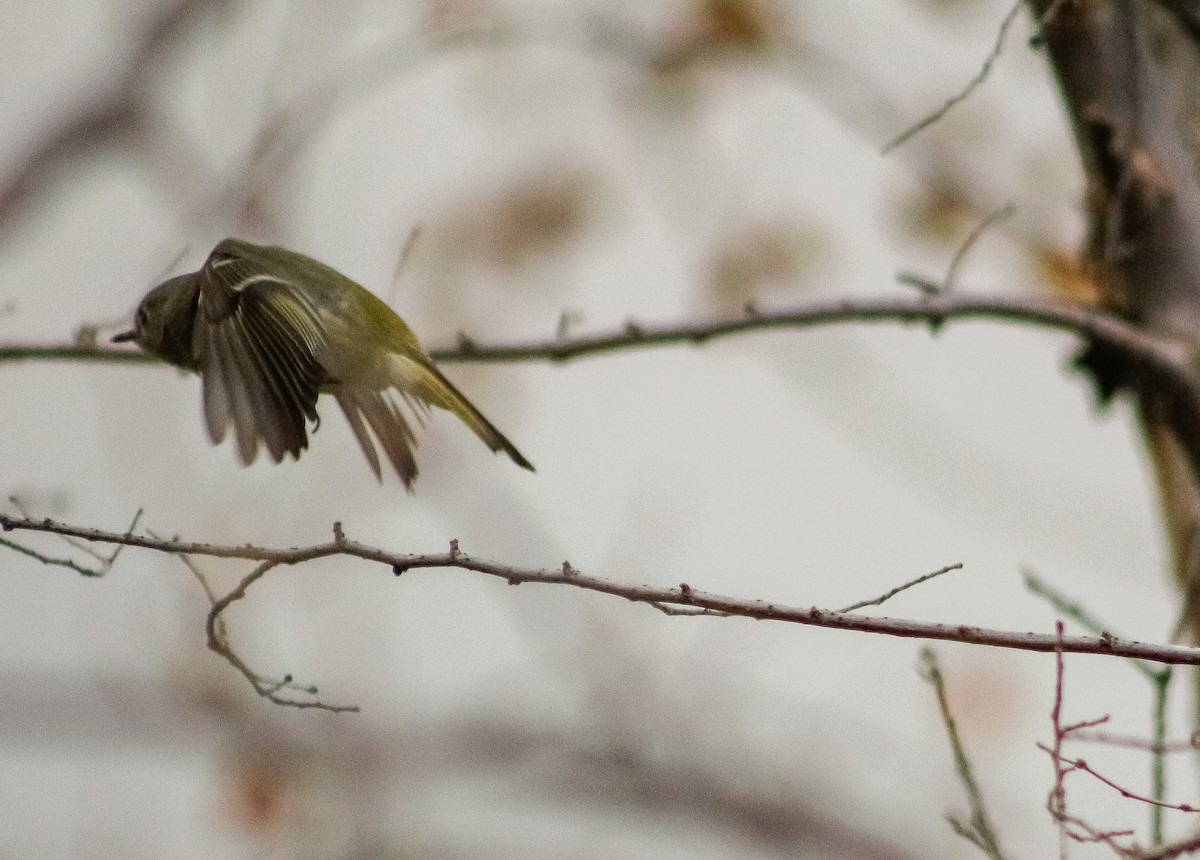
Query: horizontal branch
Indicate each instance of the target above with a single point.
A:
(933, 309)
(682, 595)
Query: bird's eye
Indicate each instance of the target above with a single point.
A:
(141, 318)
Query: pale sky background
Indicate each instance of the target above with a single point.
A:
(809, 468)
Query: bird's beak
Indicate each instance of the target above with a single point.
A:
(124, 337)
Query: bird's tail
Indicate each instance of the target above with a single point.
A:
(436, 389)
(366, 407)
(421, 385)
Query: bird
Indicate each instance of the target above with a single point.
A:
(269, 330)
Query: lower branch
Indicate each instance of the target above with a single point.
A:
(681, 596)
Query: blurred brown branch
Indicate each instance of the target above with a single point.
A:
(122, 114)
(978, 829)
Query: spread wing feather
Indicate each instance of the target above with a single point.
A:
(255, 338)
(388, 424)
(261, 352)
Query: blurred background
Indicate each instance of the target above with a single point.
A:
(566, 166)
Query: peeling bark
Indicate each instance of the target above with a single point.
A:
(1129, 73)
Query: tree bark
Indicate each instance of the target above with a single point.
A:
(1129, 74)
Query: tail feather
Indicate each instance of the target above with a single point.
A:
(388, 425)
(435, 388)
(355, 420)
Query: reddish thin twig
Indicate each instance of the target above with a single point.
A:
(1074, 764)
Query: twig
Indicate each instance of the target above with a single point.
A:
(677, 611)
(1160, 678)
(105, 561)
(1158, 759)
(993, 217)
(1057, 802)
(965, 93)
(1074, 764)
(1075, 611)
(1061, 602)
(890, 594)
(70, 564)
(979, 829)
(268, 688)
(1135, 743)
(1073, 828)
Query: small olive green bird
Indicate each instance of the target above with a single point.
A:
(269, 330)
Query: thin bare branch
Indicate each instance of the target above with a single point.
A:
(666, 609)
(681, 596)
(1075, 611)
(1081, 765)
(979, 830)
(1159, 678)
(1157, 353)
(54, 561)
(1135, 743)
(965, 93)
(991, 219)
(104, 562)
(890, 594)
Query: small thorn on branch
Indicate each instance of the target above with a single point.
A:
(566, 320)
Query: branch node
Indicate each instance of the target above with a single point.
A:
(339, 536)
(454, 551)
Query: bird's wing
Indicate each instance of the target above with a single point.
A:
(255, 338)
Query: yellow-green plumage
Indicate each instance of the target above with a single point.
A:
(269, 330)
